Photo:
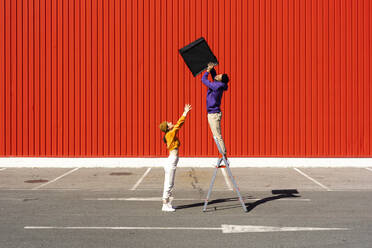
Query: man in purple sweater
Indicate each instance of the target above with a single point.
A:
(216, 87)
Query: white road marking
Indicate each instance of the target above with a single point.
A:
(136, 199)
(54, 180)
(141, 179)
(369, 169)
(121, 228)
(179, 199)
(312, 179)
(38, 189)
(11, 199)
(244, 229)
(288, 199)
(223, 228)
(1, 169)
(227, 181)
(152, 189)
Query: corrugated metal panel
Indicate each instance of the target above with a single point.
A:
(95, 78)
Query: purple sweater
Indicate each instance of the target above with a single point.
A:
(215, 92)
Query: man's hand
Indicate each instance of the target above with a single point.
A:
(187, 109)
(210, 66)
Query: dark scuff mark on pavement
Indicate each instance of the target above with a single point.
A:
(195, 182)
(37, 181)
(30, 199)
(120, 173)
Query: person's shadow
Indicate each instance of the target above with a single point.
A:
(277, 194)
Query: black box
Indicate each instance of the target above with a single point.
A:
(197, 55)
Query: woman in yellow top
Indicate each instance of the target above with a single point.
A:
(173, 143)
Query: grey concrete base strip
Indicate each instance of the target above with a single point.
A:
(312, 179)
(241, 162)
(56, 179)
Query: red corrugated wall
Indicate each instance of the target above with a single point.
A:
(95, 77)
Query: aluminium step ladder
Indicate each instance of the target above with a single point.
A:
(227, 166)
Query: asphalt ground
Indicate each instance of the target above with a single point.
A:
(121, 207)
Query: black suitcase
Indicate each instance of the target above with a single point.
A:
(197, 55)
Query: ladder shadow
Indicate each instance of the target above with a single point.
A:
(278, 194)
(200, 204)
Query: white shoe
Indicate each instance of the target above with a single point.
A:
(168, 208)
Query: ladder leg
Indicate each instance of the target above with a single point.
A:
(210, 189)
(235, 185)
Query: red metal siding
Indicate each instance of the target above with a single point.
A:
(95, 78)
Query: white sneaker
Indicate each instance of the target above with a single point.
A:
(168, 208)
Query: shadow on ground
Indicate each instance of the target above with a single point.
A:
(277, 194)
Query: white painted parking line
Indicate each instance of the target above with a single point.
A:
(179, 199)
(38, 189)
(11, 199)
(141, 179)
(287, 199)
(227, 181)
(56, 179)
(312, 179)
(223, 228)
(1, 169)
(137, 199)
(369, 169)
(150, 189)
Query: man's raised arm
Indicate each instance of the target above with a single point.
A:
(209, 84)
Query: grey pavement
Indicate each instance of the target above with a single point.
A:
(97, 199)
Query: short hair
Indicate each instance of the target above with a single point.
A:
(225, 78)
(163, 126)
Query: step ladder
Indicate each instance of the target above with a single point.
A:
(227, 166)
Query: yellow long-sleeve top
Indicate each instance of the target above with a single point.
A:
(171, 136)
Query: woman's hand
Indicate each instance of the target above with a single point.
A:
(187, 109)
